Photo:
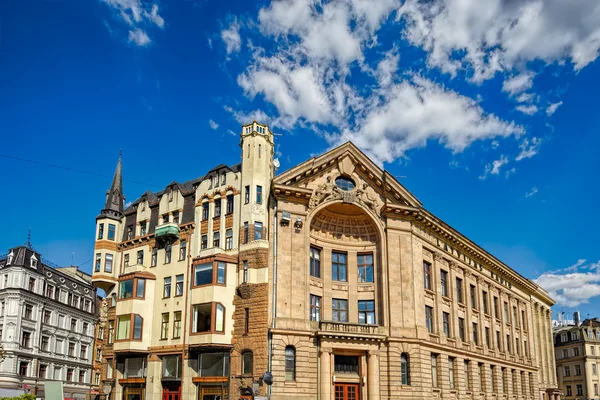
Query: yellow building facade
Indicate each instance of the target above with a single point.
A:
(331, 276)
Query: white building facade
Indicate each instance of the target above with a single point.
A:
(47, 324)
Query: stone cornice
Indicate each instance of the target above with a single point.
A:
(296, 194)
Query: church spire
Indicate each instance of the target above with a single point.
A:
(114, 196)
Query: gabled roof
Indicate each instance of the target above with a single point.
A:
(381, 179)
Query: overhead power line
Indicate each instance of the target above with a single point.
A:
(72, 169)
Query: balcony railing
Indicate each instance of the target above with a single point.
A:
(346, 328)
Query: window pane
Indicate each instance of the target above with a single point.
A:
(201, 318)
(203, 274)
(219, 318)
(214, 364)
(123, 326)
(137, 328)
(247, 360)
(126, 289)
(141, 286)
(221, 272)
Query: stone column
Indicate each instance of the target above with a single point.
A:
(454, 304)
(373, 375)
(550, 347)
(325, 378)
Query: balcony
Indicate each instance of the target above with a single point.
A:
(168, 232)
(349, 330)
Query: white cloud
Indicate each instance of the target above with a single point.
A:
(529, 148)
(510, 172)
(139, 37)
(247, 117)
(494, 167)
(552, 108)
(529, 109)
(386, 69)
(572, 286)
(532, 192)
(499, 36)
(138, 16)
(525, 97)
(213, 124)
(231, 37)
(518, 83)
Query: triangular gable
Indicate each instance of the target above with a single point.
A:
(348, 159)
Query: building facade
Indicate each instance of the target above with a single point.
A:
(577, 352)
(47, 323)
(331, 275)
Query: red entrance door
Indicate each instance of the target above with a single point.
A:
(346, 391)
(171, 393)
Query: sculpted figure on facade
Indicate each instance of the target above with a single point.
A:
(365, 198)
(324, 192)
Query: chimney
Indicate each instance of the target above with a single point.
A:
(576, 318)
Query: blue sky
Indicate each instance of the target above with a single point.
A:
(485, 113)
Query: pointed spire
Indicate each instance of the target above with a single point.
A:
(114, 197)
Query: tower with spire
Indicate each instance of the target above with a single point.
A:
(108, 232)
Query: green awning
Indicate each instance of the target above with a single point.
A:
(166, 231)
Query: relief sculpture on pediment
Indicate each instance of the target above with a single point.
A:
(328, 191)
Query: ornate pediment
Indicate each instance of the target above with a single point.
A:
(372, 185)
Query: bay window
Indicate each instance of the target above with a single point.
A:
(208, 318)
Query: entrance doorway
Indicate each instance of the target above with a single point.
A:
(346, 391)
(171, 392)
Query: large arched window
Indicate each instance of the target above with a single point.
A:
(290, 363)
(405, 369)
(247, 361)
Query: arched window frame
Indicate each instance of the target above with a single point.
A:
(405, 368)
(290, 363)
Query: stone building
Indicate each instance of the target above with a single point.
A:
(577, 352)
(332, 276)
(47, 322)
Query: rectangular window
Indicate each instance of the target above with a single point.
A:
(129, 232)
(228, 239)
(83, 351)
(230, 204)
(246, 232)
(123, 327)
(446, 322)
(258, 230)
(140, 288)
(165, 218)
(473, 293)
(487, 337)
(429, 318)
(216, 239)
(338, 267)
(579, 390)
(154, 260)
(595, 389)
(28, 311)
(496, 309)
(26, 340)
(42, 371)
(451, 372)
(459, 290)
(484, 298)
(204, 242)
(506, 315)
(461, 328)
(205, 319)
(108, 261)
(315, 308)
(220, 272)
(143, 228)
(427, 275)
(245, 279)
(475, 334)
(247, 195)
(577, 370)
(140, 257)
(523, 324)
(204, 211)
(71, 349)
(217, 208)
(168, 249)
(434, 372)
(100, 231)
(259, 194)
(508, 343)
(444, 282)
(167, 287)
(315, 262)
(366, 312)
(98, 262)
(203, 274)
(23, 368)
(365, 267)
(176, 324)
(575, 351)
(213, 364)
(569, 391)
(111, 331)
(340, 310)
(46, 343)
(567, 371)
(179, 285)
(594, 369)
(164, 329)
(171, 368)
(109, 368)
(182, 250)
(498, 341)
(126, 289)
(111, 232)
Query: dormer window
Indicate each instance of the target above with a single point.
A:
(34, 261)
(10, 258)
